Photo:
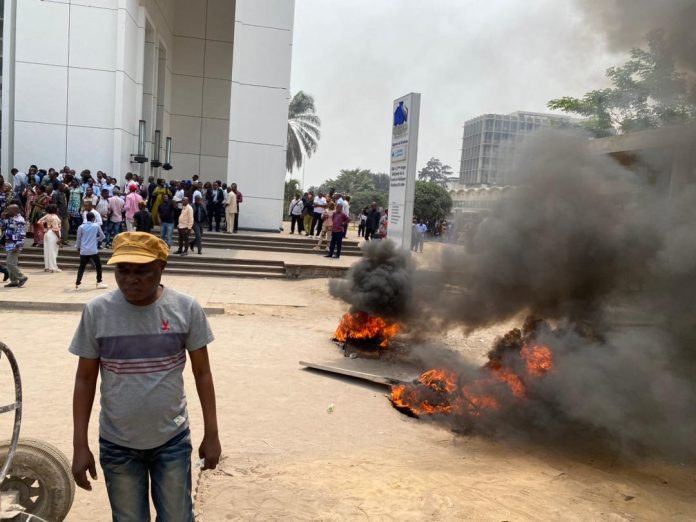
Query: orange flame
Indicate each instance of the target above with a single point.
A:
(438, 391)
(363, 326)
(539, 359)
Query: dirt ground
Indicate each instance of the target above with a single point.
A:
(303, 446)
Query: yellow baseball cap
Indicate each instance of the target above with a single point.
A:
(138, 247)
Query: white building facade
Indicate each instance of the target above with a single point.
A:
(79, 77)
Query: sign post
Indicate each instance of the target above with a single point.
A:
(402, 182)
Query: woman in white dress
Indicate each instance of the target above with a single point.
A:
(52, 224)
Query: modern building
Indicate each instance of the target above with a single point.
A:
(490, 140)
(108, 84)
(471, 201)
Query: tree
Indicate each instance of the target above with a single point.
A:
(361, 200)
(303, 130)
(350, 181)
(435, 172)
(292, 187)
(432, 202)
(381, 182)
(646, 91)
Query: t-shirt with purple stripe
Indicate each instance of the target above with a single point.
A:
(142, 355)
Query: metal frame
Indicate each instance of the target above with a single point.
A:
(16, 407)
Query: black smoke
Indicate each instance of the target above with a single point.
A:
(590, 245)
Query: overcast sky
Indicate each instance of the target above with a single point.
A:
(465, 57)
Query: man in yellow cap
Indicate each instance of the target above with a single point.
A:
(137, 337)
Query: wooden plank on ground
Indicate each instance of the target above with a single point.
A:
(377, 379)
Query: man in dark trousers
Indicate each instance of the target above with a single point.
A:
(372, 222)
(136, 340)
(339, 221)
(200, 219)
(240, 199)
(89, 234)
(217, 207)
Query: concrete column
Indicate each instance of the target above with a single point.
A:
(259, 109)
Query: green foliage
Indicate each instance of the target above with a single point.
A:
(360, 200)
(303, 130)
(292, 187)
(362, 185)
(381, 182)
(435, 172)
(433, 202)
(352, 181)
(646, 92)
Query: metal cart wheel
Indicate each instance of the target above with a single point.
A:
(37, 472)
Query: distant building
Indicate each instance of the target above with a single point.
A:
(490, 140)
(471, 201)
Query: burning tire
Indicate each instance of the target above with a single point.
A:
(42, 477)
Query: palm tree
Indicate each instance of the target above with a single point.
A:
(303, 130)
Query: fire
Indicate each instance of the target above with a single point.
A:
(539, 359)
(361, 326)
(432, 397)
(440, 391)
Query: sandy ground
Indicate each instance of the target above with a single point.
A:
(285, 456)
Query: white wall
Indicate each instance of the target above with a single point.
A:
(202, 74)
(78, 82)
(259, 108)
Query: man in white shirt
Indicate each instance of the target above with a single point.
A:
(108, 186)
(88, 207)
(346, 211)
(419, 231)
(319, 209)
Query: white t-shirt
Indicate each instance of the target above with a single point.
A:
(97, 217)
(346, 208)
(319, 201)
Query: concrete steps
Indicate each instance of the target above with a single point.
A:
(193, 264)
(268, 243)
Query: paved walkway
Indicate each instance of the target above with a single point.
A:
(214, 293)
(317, 259)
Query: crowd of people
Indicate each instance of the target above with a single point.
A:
(326, 217)
(47, 206)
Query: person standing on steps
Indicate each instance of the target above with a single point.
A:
(240, 199)
(144, 437)
(231, 208)
(372, 223)
(14, 232)
(200, 220)
(89, 234)
(184, 227)
(295, 213)
(52, 224)
(166, 218)
(339, 222)
(319, 209)
(132, 206)
(143, 219)
(218, 207)
(116, 205)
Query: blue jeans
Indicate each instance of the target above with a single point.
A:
(166, 232)
(128, 471)
(113, 229)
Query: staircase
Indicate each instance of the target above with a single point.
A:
(268, 243)
(191, 265)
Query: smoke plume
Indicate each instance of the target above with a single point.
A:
(606, 253)
(625, 23)
(594, 247)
